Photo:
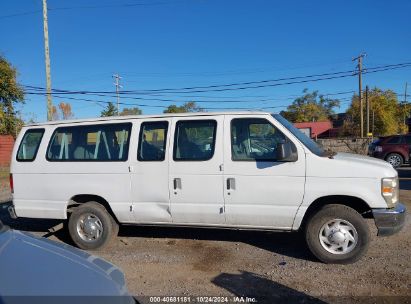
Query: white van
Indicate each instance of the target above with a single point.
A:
(249, 170)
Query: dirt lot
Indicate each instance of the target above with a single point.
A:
(269, 266)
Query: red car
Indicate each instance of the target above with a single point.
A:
(394, 149)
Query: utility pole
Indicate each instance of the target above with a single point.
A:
(118, 86)
(360, 58)
(405, 105)
(47, 59)
(368, 109)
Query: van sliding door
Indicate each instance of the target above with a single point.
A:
(196, 164)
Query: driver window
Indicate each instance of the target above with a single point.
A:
(254, 139)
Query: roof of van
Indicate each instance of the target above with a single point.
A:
(127, 117)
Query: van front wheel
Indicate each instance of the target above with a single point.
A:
(337, 234)
(91, 226)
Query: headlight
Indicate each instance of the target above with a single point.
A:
(378, 149)
(390, 190)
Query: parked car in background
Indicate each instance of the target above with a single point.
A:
(394, 149)
(37, 267)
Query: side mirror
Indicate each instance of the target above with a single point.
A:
(286, 152)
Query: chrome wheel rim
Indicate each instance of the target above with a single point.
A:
(394, 160)
(338, 236)
(89, 227)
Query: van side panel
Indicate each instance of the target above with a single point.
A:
(44, 188)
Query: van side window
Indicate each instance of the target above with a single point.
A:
(254, 139)
(107, 142)
(29, 145)
(152, 141)
(194, 140)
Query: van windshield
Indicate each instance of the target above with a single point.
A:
(305, 140)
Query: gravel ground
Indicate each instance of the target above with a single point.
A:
(268, 266)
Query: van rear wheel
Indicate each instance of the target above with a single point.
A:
(91, 226)
(337, 234)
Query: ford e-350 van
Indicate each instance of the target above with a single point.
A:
(232, 170)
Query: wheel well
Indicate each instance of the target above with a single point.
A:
(404, 158)
(84, 198)
(351, 201)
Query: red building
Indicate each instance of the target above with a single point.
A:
(316, 129)
(6, 147)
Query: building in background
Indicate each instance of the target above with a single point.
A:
(316, 129)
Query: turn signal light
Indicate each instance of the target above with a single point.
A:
(387, 190)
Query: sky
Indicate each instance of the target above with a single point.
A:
(162, 44)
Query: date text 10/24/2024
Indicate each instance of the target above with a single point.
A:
(203, 299)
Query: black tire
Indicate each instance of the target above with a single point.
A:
(331, 214)
(108, 226)
(395, 159)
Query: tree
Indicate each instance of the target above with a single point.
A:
(387, 112)
(187, 107)
(54, 113)
(110, 110)
(65, 109)
(131, 111)
(10, 94)
(311, 107)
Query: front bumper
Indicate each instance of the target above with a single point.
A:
(389, 221)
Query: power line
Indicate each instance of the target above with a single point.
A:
(160, 106)
(211, 90)
(180, 101)
(391, 66)
(114, 5)
(125, 5)
(292, 97)
(260, 84)
(21, 14)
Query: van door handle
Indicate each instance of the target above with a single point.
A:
(177, 183)
(230, 183)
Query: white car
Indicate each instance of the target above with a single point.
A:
(245, 170)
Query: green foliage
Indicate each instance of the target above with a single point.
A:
(310, 107)
(389, 114)
(10, 94)
(187, 107)
(110, 110)
(131, 111)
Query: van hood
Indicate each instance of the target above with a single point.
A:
(365, 166)
(348, 165)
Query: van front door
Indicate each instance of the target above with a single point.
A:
(149, 172)
(196, 177)
(260, 191)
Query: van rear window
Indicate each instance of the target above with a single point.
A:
(108, 142)
(30, 144)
